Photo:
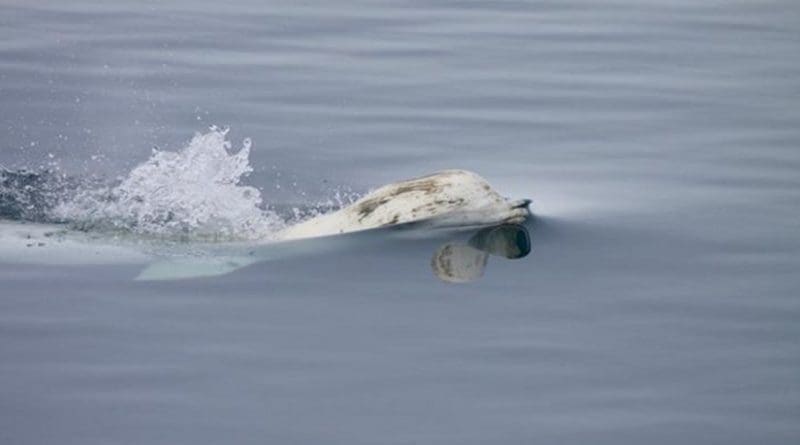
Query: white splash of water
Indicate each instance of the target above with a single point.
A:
(194, 192)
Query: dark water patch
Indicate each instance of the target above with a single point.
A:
(30, 196)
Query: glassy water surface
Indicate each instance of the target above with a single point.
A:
(658, 141)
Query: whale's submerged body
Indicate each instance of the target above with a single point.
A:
(450, 198)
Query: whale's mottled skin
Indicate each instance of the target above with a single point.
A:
(443, 199)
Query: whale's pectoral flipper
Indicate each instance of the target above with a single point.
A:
(224, 259)
(193, 267)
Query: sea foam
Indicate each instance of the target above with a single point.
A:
(193, 192)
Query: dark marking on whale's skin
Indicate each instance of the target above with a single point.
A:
(427, 186)
(424, 185)
(367, 207)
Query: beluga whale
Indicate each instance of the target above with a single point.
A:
(449, 198)
(453, 199)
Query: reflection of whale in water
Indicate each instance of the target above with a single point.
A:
(450, 198)
(463, 262)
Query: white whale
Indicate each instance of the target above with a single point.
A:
(450, 198)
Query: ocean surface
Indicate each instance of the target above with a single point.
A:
(659, 142)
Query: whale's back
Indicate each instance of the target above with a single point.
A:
(456, 197)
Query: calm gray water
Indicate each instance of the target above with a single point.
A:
(659, 140)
